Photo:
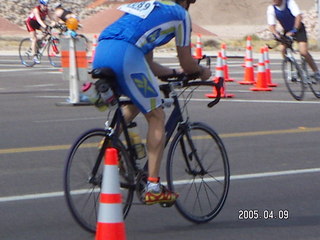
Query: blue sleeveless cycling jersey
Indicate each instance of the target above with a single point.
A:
(166, 21)
(285, 17)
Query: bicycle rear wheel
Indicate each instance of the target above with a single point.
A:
(202, 184)
(25, 52)
(82, 186)
(293, 78)
(54, 52)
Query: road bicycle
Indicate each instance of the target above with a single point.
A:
(197, 165)
(48, 44)
(295, 73)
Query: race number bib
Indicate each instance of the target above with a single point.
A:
(140, 9)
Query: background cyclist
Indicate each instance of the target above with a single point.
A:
(65, 17)
(127, 46)
(34, 22)
(289, 16)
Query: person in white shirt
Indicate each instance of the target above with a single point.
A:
(289, 16)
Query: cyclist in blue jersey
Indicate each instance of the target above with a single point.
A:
(289, 16)
(127, 46)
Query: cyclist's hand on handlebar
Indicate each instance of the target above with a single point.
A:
(44, 29)
(290, 34)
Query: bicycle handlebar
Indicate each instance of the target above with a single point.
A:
(188, 80)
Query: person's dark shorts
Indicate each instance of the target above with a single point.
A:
(301, 35)
(32, 25)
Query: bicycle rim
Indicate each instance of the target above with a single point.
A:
(201, 195)
(82, 190)
(25, 52)
(54, 52)
(315, 87)
(293, 79)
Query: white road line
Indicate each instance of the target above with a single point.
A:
(235, 177)
(30, 69)
(69, 119)
(195, 100)
(52, 97)
(258, 101)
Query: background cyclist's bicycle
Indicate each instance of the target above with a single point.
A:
(197, 163)
(48, 44)
(296, 73)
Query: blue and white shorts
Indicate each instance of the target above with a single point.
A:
(134, 76)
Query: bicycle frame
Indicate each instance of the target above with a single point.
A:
(175, 121)
(290, 54)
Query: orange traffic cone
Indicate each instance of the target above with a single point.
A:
(225, 63)
(261, 84)
(192, 49)
(198, 50)
(110, 225)
(249, 70)
(94, 45)
(268, 70)
(218, 76)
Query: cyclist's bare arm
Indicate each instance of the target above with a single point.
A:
(274, 31)
(190, 65)
(297, 24)
(39, 20)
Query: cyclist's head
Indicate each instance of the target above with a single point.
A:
(72, 23)
(277, 2)
(44, 2)
(57, 5)
(185, 3)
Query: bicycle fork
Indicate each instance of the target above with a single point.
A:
(190, 153)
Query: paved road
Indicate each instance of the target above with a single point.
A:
(272, 143)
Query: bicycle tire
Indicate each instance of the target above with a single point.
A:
(315, 87)
(293, 78)
(313, 83)
(25, 52)
(54, 52)
(201, 195)
(82, 196)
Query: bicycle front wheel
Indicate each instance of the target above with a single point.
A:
(54, 52)
(314, 85)
(25, 52)
(82, 183)
(198, 170)
(293, 78)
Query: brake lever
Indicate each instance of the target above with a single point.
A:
(218, 87)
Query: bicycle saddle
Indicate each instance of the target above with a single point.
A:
(106, 73)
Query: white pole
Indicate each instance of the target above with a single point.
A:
(73, 73)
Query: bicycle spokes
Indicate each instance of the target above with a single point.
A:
(198, 170)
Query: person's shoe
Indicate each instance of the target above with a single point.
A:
(165, 197)
(36, 59)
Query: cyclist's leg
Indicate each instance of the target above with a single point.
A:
(138, 83)
(155, 140)
(33, 37)
(302, 39)
(303, 49)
